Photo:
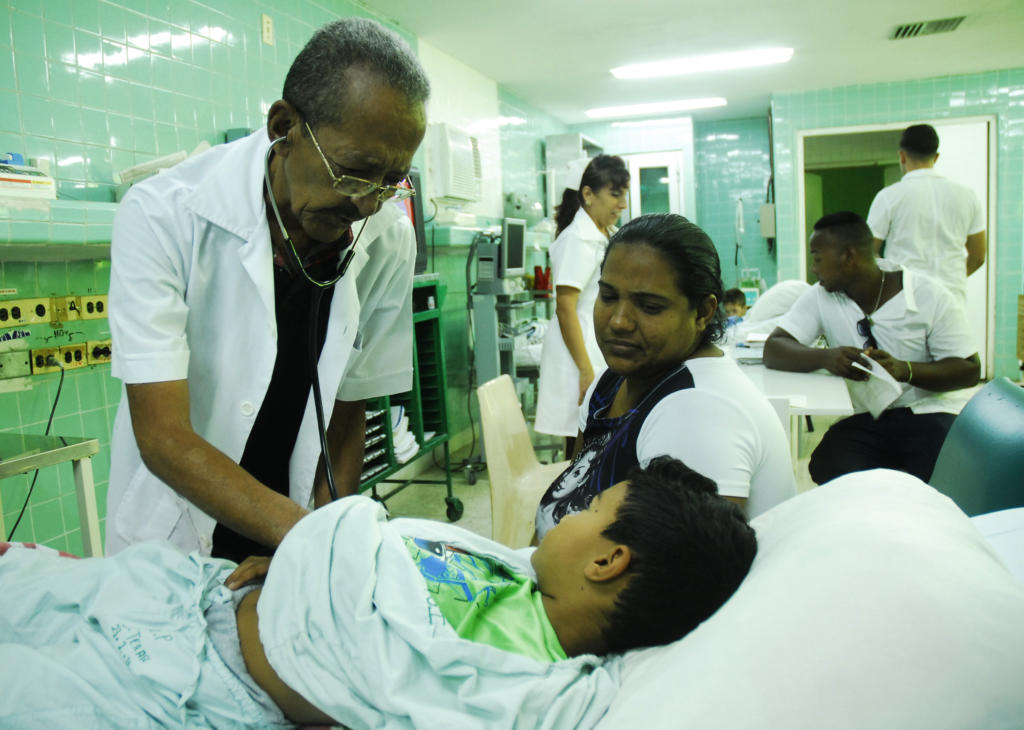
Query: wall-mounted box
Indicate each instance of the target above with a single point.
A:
(767, 219)
(15, 364)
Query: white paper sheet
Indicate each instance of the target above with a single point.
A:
(877, 392)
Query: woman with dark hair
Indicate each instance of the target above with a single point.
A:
(668, 389)
(570, 356)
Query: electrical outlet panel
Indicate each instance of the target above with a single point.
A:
(97, 351)
(15, 364)
(93, 306)
(73, 356)
(19, 312)
(38, 357)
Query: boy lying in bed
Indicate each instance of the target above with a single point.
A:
(371, 623)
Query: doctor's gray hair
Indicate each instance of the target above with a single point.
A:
(316, 82)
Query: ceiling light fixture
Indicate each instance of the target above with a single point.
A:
(702, 64)
(661, 122)
(658, 107)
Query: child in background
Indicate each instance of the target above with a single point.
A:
(735, 305)
(371, 623)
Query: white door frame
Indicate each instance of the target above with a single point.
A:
(682, 196)
(990, 226)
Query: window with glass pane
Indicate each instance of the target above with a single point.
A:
(654, 191)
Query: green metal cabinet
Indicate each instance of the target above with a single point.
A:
(426, 404)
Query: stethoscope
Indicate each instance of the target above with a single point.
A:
(314, 315)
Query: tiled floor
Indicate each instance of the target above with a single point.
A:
(428, 500)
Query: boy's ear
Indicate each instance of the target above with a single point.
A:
(609, 565)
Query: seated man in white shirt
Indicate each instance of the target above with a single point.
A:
(906, 322)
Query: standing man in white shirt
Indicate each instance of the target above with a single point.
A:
(906, 322)
(929, 223)
(229, 290)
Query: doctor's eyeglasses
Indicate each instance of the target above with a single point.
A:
(357, 187)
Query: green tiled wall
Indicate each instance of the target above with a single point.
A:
(522, 146)
(94, 87)
(86, 406)
(732, 162)
(620, 140)
(448, 251)
(998, 93)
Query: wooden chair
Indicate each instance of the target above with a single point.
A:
(517, 478)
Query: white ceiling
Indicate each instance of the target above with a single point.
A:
(557, 55)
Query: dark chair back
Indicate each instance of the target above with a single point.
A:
(981, 464)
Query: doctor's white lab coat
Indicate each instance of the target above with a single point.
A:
(192, 296)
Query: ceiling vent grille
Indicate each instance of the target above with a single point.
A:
(926, 27)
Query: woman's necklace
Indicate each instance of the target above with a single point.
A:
(878, 300)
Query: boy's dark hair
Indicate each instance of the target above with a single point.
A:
(920, 141)
(846, 229)
(691, 254)
(734, 296)
(690, 550)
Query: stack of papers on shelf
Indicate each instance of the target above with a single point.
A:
(877, 392)
(24, 181)
(406, 446)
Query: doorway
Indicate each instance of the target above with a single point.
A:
(847, 166)
(658, 183)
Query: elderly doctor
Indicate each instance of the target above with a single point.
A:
(229, 281)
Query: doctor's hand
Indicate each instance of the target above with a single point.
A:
(839, 361)
(251, 570)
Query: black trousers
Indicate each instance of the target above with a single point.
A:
(899, 440)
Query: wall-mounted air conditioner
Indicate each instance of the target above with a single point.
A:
(453, 161)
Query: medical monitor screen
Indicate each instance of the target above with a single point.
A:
(513, 247)
(413, 207)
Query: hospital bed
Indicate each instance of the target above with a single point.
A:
(874, 602)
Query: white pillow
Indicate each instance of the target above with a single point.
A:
(776, 301)
(873, 603)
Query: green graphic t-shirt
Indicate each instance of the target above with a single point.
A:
(485, 601)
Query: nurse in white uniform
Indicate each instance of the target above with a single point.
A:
(570, 356)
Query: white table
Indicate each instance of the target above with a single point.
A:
(806, 394)
(21, 453)
(1004, 531)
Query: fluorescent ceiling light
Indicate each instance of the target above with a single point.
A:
(658, 107)
(663, 122)
(702, 64)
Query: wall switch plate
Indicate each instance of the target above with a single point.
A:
(65, 309)
(15, 364)
(267, 29)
